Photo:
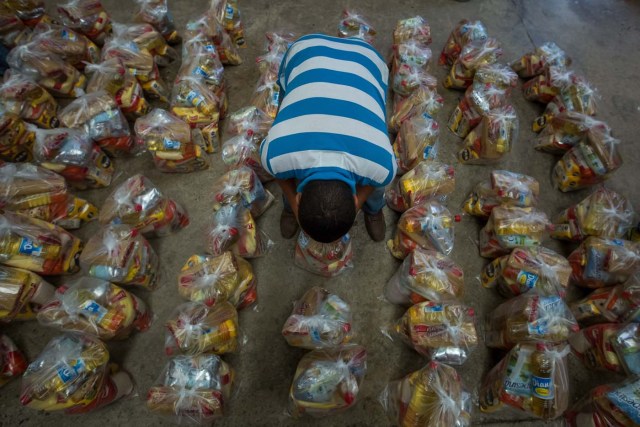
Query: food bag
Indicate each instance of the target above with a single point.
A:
(266, 96)
(37, 246)
(196, 328)
(140, 204)
(431, 396)
(12, 361)
(324, 259)
(566, 130)
(492, 139)
(429, 226)
(214, 32)
(120, 254)
(473, 55)
(157, 13)
(544, 87)
(73, 374)
(72, 154)
(113, 77)
(597, 262)
(16, 141)
(503, 188)
(233, 228)
(319, 320)
(626, 343)
(87, 17)
(409, 67)
(593, 345)
(148, 39)
(464, 32)
(327, 381)
(97, 114)
(22, 96)
(588, 163)
(529, 318)
(42, 194)
(13, 32)
(534, 63)
(47, 69)
(604, 213)
(416, 141)
(95, 307)
(240, 152)
(22, 293)
(192, 389)
(69, 45)
(354, 25)
(512, 227)
(416, 29)
(619, 304)
(227, 12)
(31, 12)
(428, 180)
(532, 378)
(423, 99)
(573, 93)
(444, 332)
(241, 186)
(608, 405)
(425, 275)
(200, 59)
(250, 122)
(536, 269)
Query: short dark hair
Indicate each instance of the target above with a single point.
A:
(327, 210)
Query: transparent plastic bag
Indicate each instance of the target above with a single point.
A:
(200, 59)
(597, 262)
(422, 100)
(241, 186)
(593, 345)
(22, 293)
(42, 194)
(13, 32)
(140, 204)
(409, 68)
(279, 41)
(407, 79)
(157, 13)
(588, 163)
(512, 227)
(619, 304)
(425, 275)
(120, 254)
(69, 45)
(227, 12)
(12, 361)
(16, 141)
(73, 374)
(266, 96)
(196, 328)
(357, 26)
(47, 69)
(23, 97)
(87, 17)
(428, 225)
(444, 332)
(626, 343)
(503, 188)
(416, 29)
(72, 154)
(95, 307)
(566, 130)
(148, 39)
(431, 396)
(473, 55)
(113, 77)
(327, 381)
(233, 228)
(324, 259)
(212, 29)
(546, 86)
(193, 389)
(428, 180)
(37, 246)
(97, 114)
(215, 279)
(532, 378)
(528, 318)
(416, 141)
(250, 122)
(608, 405)
(492, 139)
(319, 320)
(194, 102)
(31, 12)
(175, 147)
(534, 63)
(240, 152)
(464, 32)
(531, 269)
(574, 94)
(604, 213)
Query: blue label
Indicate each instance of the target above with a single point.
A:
(627, 399)
(170, 144)
(435, 308)
(229, 12)
(542, 388)
(29, 247)
(426, 152)
(199, 72)
(527, 279)
(69, 373)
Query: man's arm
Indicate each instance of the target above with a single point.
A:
(288, 187)
(362, 194)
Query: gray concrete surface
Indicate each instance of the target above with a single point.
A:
(602, 37)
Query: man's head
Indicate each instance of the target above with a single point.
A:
(326, 210)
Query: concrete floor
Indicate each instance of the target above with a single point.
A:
(601, 36)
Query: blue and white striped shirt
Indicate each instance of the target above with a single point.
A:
(332, 118)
